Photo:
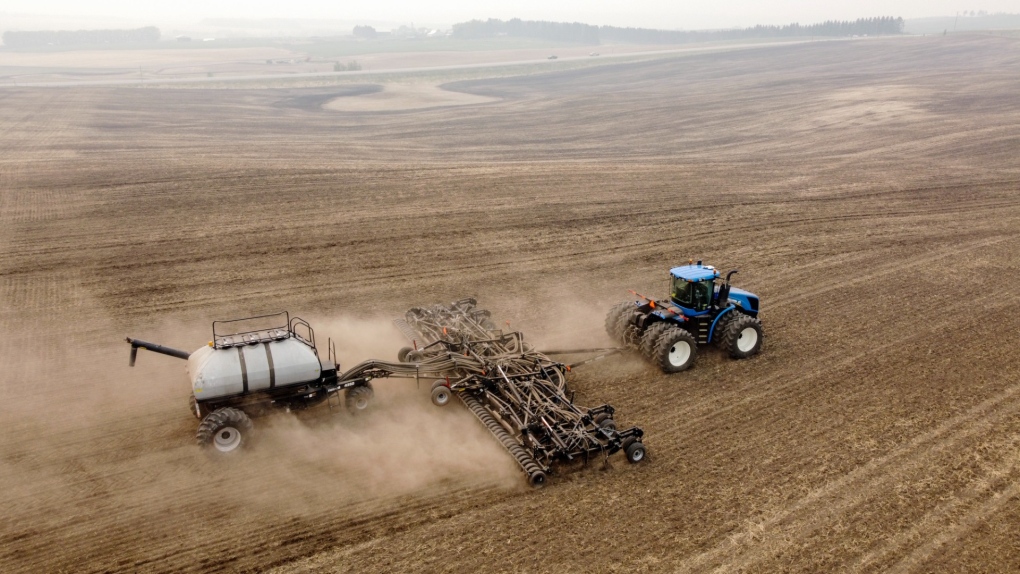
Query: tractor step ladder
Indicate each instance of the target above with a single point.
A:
(700, 331)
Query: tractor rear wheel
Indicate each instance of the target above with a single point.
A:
(613, 325)
(224, 431)
(742, 337)
(358, 399)
(650, 337)
(675, 350)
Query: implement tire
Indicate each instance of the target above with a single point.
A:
(635, 452)
(650, 337)
(675, 350)
(441, 395)
(742, 337)
(614, 328)
(224, 431)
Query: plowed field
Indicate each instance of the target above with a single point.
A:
(868, 191)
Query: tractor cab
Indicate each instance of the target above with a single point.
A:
(692, 287)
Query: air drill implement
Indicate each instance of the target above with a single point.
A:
(519, 394)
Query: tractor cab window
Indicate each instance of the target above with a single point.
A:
(681, 291)
(695, 295)
(702, 294)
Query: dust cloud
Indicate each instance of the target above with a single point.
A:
(86, 435)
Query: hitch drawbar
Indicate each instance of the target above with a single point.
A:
(139, 344)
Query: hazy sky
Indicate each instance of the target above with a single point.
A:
(645, 13)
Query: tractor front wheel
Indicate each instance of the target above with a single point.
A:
(675, 350)
(742, 337)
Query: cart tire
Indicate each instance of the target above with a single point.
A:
(225, 431)
(198, 409)
(358, 399)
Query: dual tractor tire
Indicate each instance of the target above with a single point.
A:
(740, 335)
(650, 337)
(616, 320)
(225, 431)
(675, 350)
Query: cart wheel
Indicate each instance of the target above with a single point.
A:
(358, 399)
(198, 409)
(225, 431)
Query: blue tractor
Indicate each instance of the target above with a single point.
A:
(700, 310)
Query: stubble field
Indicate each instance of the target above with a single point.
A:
(869, 192)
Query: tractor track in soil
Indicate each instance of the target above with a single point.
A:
(878, 431)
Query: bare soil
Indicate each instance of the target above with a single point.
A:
(868, 191)
(399, 97)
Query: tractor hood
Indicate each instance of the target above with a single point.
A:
(746, 299)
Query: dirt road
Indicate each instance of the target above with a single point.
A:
(867, 191)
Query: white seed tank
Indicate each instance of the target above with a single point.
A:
(223, 372)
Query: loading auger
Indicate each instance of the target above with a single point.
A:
(519, 394)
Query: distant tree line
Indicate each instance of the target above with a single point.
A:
(43, 38)
(365, 32)
(588, 34)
